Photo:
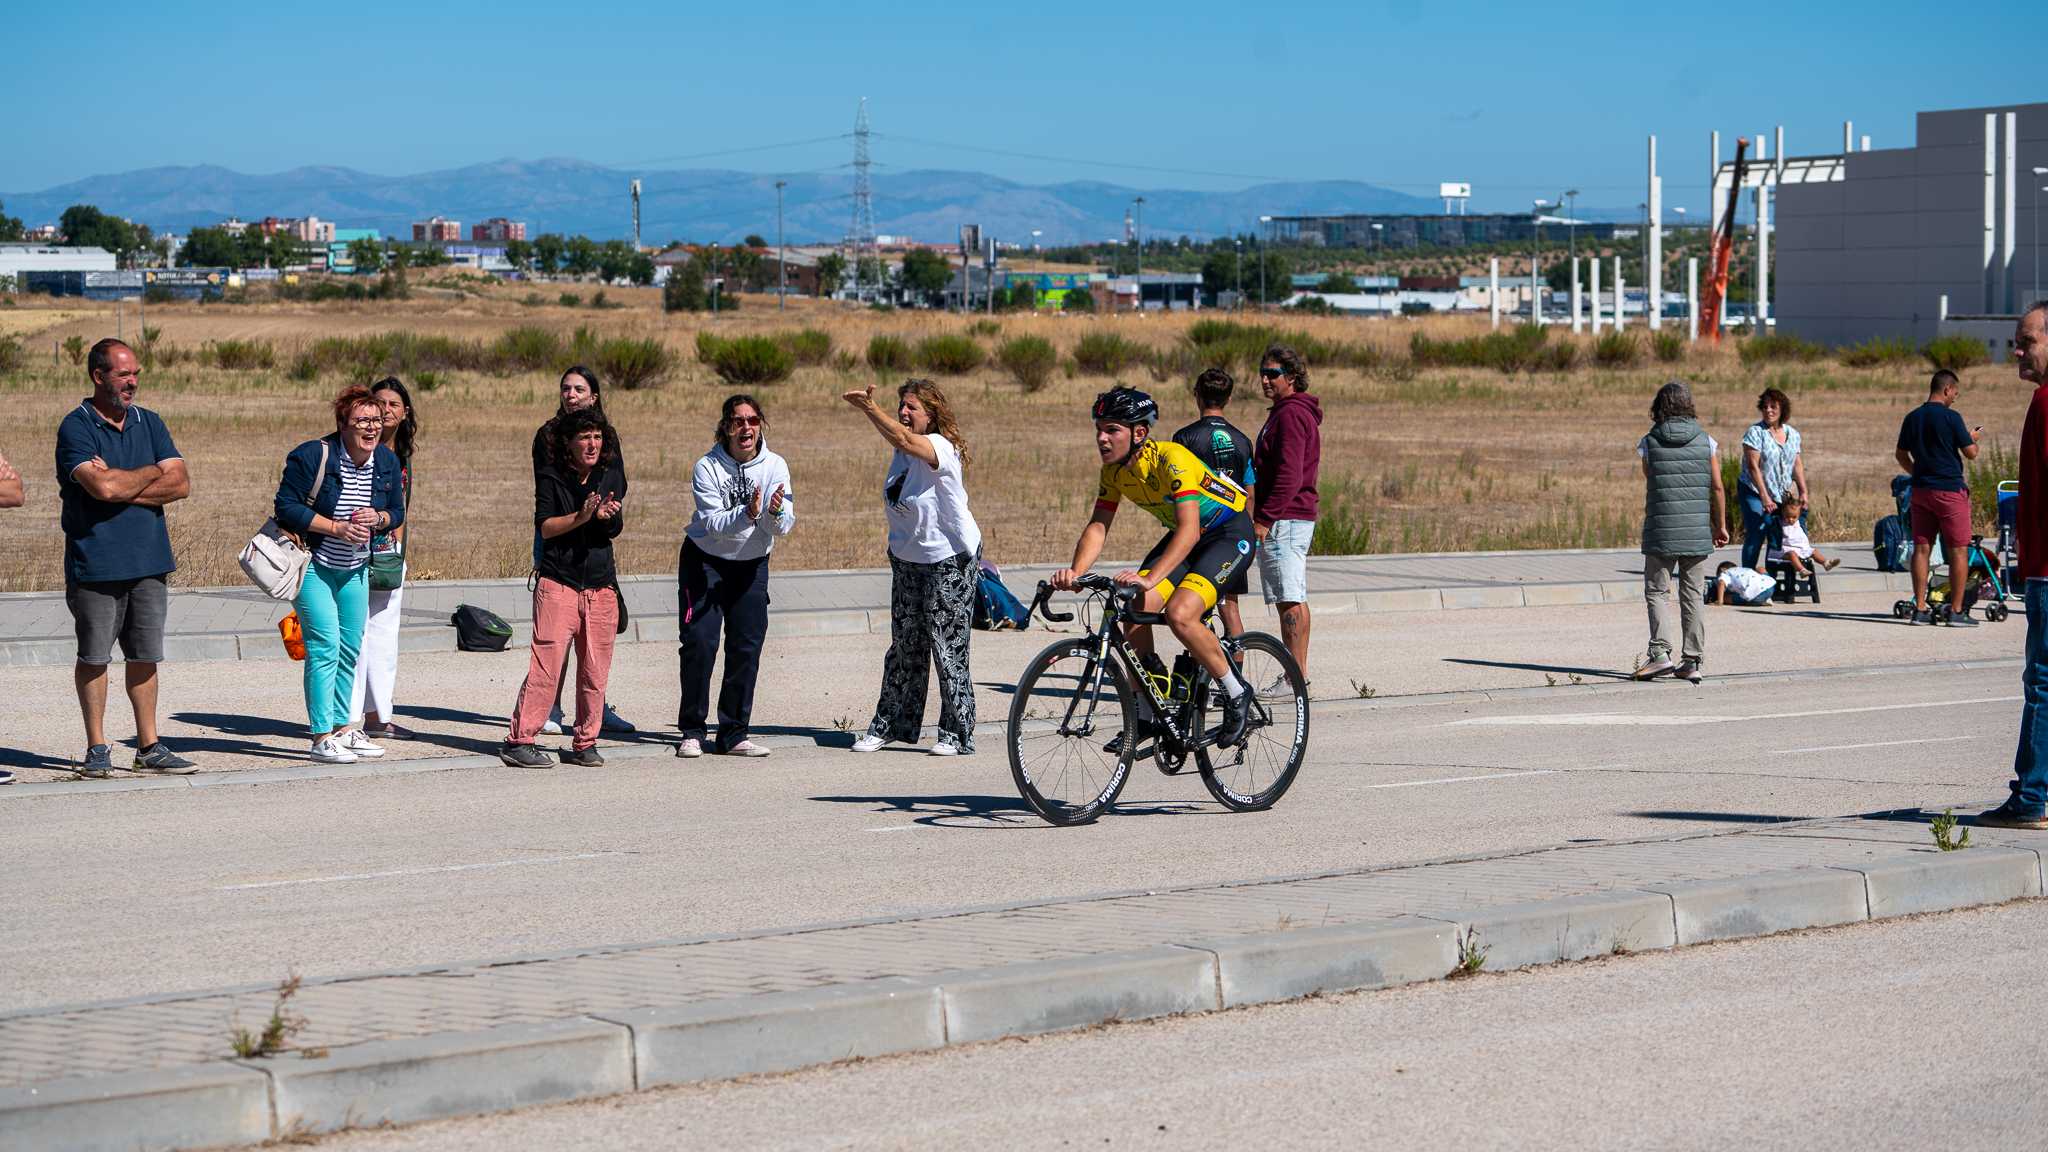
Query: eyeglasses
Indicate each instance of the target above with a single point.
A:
(745, 421)
(1271, 373)
(377, 422)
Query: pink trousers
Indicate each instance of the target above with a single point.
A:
(563, 616)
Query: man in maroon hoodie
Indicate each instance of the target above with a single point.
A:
(2027, 807)
(1284, 462)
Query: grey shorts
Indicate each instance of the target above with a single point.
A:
(131, 610)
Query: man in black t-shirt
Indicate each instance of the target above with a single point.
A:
(1228, 453)
(1933, 443)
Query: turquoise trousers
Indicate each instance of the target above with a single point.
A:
(332, 605)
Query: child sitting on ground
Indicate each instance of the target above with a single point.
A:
(1734, 584)
(1792, 548)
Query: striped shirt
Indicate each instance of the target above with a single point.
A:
(357, 483)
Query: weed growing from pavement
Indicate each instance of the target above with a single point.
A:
(1471, 955)
(280, 1028)
(843, 723)
(1365, 691)
(1944, 829)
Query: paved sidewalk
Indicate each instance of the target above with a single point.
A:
(470, 1037)
(241, 623)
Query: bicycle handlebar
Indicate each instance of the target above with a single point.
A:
(1041, 605)
(1090, 583)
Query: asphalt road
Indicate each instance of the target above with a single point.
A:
(1900, 1034)
(139, 892)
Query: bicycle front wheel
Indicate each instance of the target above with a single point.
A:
(1073, 732)
(1256, 773)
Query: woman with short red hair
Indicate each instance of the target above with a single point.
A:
(337, 493)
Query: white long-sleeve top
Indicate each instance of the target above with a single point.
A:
(724, 487)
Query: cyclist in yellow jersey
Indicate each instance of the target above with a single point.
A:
(1209, 537)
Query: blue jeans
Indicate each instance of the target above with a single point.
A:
(2030, 762)
(1753, 523)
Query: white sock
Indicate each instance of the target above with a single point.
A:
(1231, 685)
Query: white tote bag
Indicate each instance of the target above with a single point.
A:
(274, 559)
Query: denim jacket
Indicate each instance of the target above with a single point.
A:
(294, 513)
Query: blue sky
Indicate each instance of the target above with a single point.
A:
(1520, 100)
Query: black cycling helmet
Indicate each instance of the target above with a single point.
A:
(1125, 406)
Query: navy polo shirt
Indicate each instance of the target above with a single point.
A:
(1936, 436)
(107, 541)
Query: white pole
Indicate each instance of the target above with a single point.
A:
(1620, 297)
(1848, 136)
(2011, 207)
(1692, 298)
(1866, 142)
(1713, 183)
(1535, 293)
(1493, 289)
(1576, 320)
(1990, 206)
(1654, 252)
(1595, 261)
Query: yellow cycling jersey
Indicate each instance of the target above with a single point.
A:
(1161, 474)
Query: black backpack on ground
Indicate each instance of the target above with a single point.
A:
(479, 630)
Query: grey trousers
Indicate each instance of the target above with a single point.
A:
(1692, 589)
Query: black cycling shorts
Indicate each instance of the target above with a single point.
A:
(1217, 564)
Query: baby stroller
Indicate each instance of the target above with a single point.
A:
(1990, 573)
(2009, 533)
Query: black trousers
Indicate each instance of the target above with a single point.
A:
(715, 593)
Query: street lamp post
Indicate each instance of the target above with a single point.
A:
(1237, 243)
(1571, 197)
(781, 250)
(1265, 242)
(1138, 247)
(1376, 227)
(1536, 259)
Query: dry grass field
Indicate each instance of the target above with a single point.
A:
(1429, 460)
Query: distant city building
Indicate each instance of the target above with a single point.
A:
(17, 260)
(308, 229)
(497, 230)
(233, 226)
(437, 231)
(46, 234)
(1416, 231)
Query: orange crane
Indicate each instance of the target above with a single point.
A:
(1724, 247)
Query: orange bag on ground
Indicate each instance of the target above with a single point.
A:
(294, 639)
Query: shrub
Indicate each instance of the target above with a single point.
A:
(1617, 350)
(949, 354)
(305, 368)
(239, 355)
(158, 294)
(1313, 306)
(527, 348)
(569, 300)
(752, 360)
(1237, 347)
(1525, 349)
(708, 345)
(1107, 353)
(888, 354)
(598, 300)
(13, 358)
(426, 381)
(1877, 352)
(1078, 300)
(1030, 360)
(1777, 348)
(1669, 347)
(533, 300)
(810, 347)
(628, 363)
(74, 349)
(984, 327)
(1956, 352)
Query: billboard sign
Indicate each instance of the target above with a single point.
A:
(1454, 191)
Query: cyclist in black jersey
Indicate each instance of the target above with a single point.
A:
(1227, 451)
(1209, 517)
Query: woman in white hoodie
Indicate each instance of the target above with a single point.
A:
(743, 503)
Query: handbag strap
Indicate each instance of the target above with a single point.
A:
(319, 478)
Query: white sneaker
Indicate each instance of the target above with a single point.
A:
(553, 726)
(327, 750)
(945, 747)
(355, 741)
(690, 749)
(746, 748)
(868, 742)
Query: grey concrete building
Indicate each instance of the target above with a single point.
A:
(1872, 246)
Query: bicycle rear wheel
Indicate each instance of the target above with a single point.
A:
(1059, 722)
(1256, 773)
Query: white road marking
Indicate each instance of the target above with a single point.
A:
(1465, 779)
(896, 828)
(1876, 744)
(1627, 719)
(415, 871)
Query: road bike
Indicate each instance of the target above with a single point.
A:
(1087, 709)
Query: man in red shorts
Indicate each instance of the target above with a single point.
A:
(1933, 443)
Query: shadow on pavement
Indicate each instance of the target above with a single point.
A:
(822, 737)
(986, 813)
(1718, 817)
(21, 758)
(1603, 673)
(1817, 614)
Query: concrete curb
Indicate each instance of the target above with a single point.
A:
(437, 1076)
(662, 629)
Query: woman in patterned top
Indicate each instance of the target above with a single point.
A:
(337, 493)
(1771, 470)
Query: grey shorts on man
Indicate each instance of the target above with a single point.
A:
(131, 611)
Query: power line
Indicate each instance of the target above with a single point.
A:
(750, 149)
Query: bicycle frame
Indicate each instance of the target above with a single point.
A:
(1163, 717)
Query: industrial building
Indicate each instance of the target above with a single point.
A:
(1436, 231)
(1871, 243)
(17, 260)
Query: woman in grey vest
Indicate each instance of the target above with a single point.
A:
(1685, 517)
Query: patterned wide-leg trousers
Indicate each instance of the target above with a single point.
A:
(931, 619)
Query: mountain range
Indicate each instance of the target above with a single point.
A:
(718, 205)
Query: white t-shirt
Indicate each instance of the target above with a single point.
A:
(1795, 542)
(1749, 585)
(927, 507)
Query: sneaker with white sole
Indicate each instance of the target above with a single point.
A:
(552, 726)
(1655, 668)
(868, 742)
(361, 745)
(945, 747)
(746, 748)
(328, 750)
(1690, 672)
(690, 748)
